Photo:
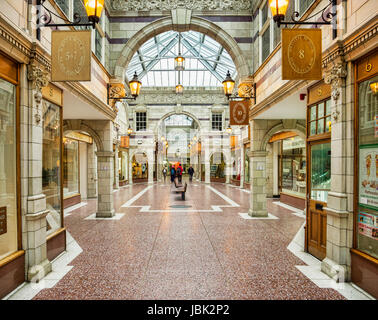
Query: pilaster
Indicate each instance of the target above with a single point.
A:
(336, 263)
(258, 184)
(35, 218)
(105, 206)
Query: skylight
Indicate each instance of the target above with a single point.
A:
(206, 61)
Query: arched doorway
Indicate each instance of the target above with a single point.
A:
(179, 136)
(139, 167)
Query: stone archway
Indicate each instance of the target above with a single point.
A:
(194, 24)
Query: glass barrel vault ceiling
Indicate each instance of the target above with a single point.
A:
(206, 61)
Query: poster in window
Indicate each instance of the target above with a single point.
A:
(368, 225)
(368, 177)
(3, 220)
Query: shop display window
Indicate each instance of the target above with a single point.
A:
(217, 165)
(293, 166)
(140, 166)
(367, 216)
(246, 165)
(51, 176)
(8, 170)
(320, 118)
(70, 167)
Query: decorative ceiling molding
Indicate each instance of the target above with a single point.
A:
(199, 5)
(154, 97)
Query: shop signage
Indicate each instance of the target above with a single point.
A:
(301, 54)
(3, 220)
(79, 136)
(368, 178)
(239, 113)
(124, 142)
(53, 94)
(71, 55)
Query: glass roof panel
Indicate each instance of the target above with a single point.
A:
(206, 62)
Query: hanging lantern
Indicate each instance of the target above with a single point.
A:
(228, 85)
(135, 85)
(229, 130)
(129, 130)
(374, 87)
(94, 9)
(179, 89)
(179, 63)
(278, 8)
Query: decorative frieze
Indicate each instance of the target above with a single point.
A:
(199, 5)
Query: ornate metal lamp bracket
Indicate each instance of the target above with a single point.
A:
(45, 18)
(327, 17)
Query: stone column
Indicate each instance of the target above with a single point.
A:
(151, 164)
(116, 167)
(130, 164)
(92, 171)
(207, 172)
(242, 160)
(340, 204)
(228, 172)
(32, 139)
(105, 164)
(258, 184)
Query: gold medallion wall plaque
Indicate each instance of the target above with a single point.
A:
(301, 54)
(239, 113)
(71, 55)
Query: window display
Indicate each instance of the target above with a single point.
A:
(293, 166)
(367, 217)
(51, 176)
(140, 166)
(246, 165)
(70, 167)
(8, 170)
(217, 165)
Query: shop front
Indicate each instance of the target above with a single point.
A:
(364, 254)
(236, 161)
(122, 166)
(292, 171)
(12, 257)
(318, 168)
(217, 167)
(52, 169)
(140, 167)
(247, 176)
(75, 166)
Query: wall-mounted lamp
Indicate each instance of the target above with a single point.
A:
(228, 88)
(117, 91)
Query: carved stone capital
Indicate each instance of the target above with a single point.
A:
(39, 78)
(246, 87)
(334, 77)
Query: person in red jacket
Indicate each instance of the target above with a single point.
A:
(179, 172)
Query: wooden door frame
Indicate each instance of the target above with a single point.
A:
(308, 182)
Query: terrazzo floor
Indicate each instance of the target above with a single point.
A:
(206, 250)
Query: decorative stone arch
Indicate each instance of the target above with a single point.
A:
(299, 129)
(227, 159)
(178, 113)
(80, 125)
(196, 24)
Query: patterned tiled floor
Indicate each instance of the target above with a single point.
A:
(205, 251)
